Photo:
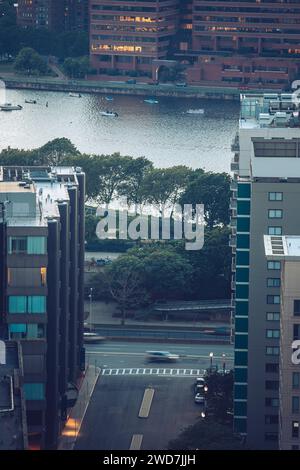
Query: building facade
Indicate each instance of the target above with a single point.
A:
(42, 287)
(56, 15)
(129, 38)
(286, 250)
(265, 201)
(225, 43)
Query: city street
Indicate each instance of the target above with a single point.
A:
(120, 354)
(112, 419)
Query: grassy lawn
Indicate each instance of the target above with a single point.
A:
(6, 67)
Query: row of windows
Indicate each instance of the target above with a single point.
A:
(19, 304)
(26, 331)
(27, 245)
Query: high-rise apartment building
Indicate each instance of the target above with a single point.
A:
(41, 14)
(286, 250)
(266, 199)
(130, 37)
(41, 294)
(56, 15)
(246, 43)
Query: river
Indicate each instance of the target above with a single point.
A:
(162, 132)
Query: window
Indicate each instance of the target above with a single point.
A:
(295, 404)
(17, 245)
(271, 419)
(34, 304)
(275, 196)
(274, 265)
(272, 385)
(273, 282)
(272, 402)
(272, 367)
(44, 276)
(275, 213)
(272, 351)
(36, 245)
(34, 391)
(296, 332)
(296, 380)
(297, 308)
(274, 230)
(17, 304)
(27, 245)
(26, 331)
(273, 316)
(295, 429)
(272, 333)
(273, 299)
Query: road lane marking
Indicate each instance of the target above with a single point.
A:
(159, 372)
(146, 403)
(136, 442)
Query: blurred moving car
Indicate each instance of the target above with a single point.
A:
(92, 338)
(161, 356)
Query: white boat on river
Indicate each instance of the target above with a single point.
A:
(10, 107)
(109, 113)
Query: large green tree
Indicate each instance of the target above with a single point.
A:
(212, 190)
(30, 62)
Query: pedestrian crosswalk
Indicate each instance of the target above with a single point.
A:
(150, 371)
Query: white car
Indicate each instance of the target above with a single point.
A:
(161, 356)
(199, 399)
(200, 381)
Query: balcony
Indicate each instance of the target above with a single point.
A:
(232, 241)
(233, 204)
(233, 185)
(233, 265)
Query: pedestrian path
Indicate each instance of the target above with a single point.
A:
(151, 371)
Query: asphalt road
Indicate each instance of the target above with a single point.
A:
(114, 354)
(112, 418)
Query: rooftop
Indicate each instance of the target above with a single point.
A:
(269, 110)
(282, 247)
(47, 185)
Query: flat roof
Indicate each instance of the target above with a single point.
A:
(282, 247)
(15, 187)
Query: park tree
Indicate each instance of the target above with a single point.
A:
(212, 190)
(124, 280)
(163, 186)
(133, 188)
(30, 62)
(76, 67)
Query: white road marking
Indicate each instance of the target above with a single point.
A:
(160, 372)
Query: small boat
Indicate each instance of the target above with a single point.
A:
(109, 98)
(195, 111)
(30, 101)
(75, 95)
(10, 107)
(151, 101)
(109, 114)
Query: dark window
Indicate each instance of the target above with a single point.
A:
(295, 404)
(271, 436)
(295, 429)
(296, 332)
(297, 307)
(296, 380)
(270, 367)
(271, 419)
(272, 385)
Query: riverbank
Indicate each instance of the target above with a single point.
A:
(122, 88)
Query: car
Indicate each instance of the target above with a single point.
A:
(200, 381)
(181, 84)
(92, 338)
(199, 388)
(131, 81)
(161, 356)
(199, 399)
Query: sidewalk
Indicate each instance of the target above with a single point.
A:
(75, 419)
(102, 315)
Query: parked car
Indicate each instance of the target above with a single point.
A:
(199, 399)
(200, 381)
(181, 84)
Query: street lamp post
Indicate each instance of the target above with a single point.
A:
(224, 363)
(91, 300)
(211, 355)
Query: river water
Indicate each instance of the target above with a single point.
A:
(162, 132)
